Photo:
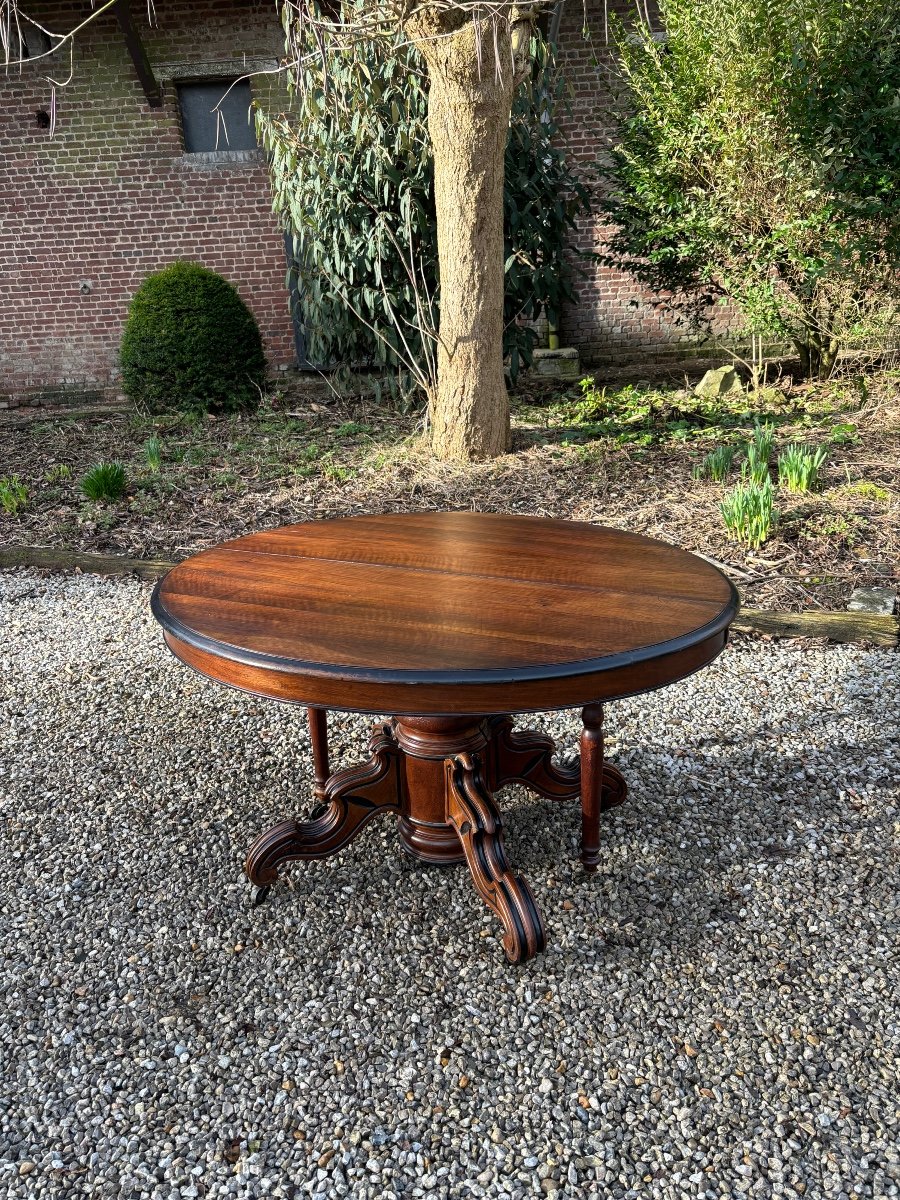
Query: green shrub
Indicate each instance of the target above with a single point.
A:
(191, 343)
(13, 494)
(105, 481)
(799, 467)
(748, 513)
(756, 159)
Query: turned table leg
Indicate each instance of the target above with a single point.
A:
(591, 784)
(526, 757)
(318, 735)
(602, 786)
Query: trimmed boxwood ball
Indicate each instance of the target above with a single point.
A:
(191, 343)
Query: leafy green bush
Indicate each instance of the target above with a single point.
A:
(748, 512)
(13, 494)
(191, 343)
(352, 175)
(105, 481)
(799, 467)
(757, 160)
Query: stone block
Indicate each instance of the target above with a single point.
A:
(723, 381)
(873, 600)
(557, 364)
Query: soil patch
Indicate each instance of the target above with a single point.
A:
(625, 459)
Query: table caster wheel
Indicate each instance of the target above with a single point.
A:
(260, 895)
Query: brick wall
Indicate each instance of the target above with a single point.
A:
(616, 320)
(86, 214)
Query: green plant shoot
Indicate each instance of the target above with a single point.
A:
(749, 514)
(105, 481)
(799, 467)
(13, 494)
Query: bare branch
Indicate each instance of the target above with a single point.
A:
(10, 17)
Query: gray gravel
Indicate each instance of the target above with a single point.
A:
(716, 1014)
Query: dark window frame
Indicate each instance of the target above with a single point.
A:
(208, 136)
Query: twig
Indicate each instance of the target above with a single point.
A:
(726, 566)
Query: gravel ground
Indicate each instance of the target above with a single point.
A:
(716, 1014)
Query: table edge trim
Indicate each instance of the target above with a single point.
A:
(477, 699)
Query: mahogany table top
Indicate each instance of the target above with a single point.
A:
(441, 613)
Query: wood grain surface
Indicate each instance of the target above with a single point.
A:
(444, 612)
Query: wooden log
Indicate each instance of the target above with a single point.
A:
(21, 418)
(836, 626)
(95, 564)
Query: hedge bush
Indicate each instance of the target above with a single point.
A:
(757, 158)
(191, 343)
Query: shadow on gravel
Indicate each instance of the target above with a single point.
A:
(680, 851)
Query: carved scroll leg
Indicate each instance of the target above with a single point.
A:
(318, 735)
(526, 756)
(472, 813)
(614, 788)
(352, 798)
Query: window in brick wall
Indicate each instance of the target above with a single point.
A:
(216, 116)
(28, 41)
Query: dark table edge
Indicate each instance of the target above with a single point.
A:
(411, 705)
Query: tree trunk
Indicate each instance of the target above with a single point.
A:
(818, 356)
(468, 120)
(805, 356)
(816, 343)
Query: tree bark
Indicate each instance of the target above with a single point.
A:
(468, 120)
(803, 353)
(818, 353)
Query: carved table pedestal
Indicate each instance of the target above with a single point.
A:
(439, 776)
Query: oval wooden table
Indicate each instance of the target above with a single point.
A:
(449, 621)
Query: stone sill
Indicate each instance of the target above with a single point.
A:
(213, 159)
